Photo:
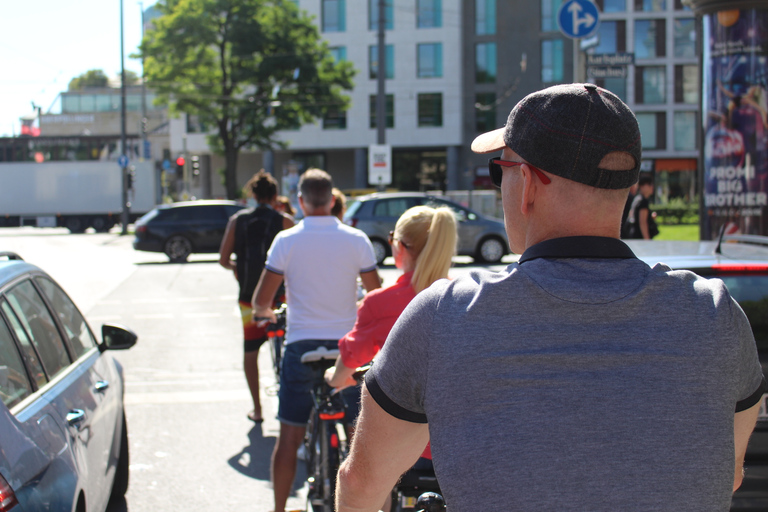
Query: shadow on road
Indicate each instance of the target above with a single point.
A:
(254, 460)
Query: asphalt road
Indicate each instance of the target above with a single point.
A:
(192, 447)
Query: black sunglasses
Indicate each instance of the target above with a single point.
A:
(495, 168)
(392, 239)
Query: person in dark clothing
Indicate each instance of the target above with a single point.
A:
(640, 221)
(248, 235)
(627, 208)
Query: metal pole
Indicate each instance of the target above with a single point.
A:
(124, 169)
(143, 96)
(381, 75)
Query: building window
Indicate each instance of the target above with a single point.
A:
(334, 15)
(687, 84)
(650, 5)
(485, 63)
(430, 107)
(653, 129)
(650, 84)
(335, 120)
(373, 61)
(612, 5)
(339, 53)
(617, 86)
(680, 7)
(650, 39)
(685, 131)
(485, 112)
(430, 60)
(485, 17)
(429, 13)
(373, 14)
(685, 37)
(549, 10)
(612, 36)
(389, 105)
(552, 60)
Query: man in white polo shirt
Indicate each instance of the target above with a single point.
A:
(319, 259)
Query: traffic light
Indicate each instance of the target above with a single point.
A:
(180, 165)
(195, 166)
(130, 174)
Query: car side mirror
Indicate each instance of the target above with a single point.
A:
(117, 337)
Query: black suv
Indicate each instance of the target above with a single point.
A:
(180, 229)
(742, 263)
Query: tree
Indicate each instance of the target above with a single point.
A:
(248, 67)
(90, 79)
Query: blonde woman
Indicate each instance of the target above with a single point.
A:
(423, 242)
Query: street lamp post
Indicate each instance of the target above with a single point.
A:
(124, 166)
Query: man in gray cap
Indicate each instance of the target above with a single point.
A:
(579, 378)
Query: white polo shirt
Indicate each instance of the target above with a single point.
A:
(320, 259)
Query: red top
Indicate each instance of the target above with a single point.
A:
(378, 312)
(376, 315)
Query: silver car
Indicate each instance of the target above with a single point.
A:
(63, 434)
(483, 238)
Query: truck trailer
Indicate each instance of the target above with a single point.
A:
(74, 194)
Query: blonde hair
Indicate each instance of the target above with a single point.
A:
(430, 236)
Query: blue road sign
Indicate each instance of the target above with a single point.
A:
(578, 18)
(123, 161)
(166, 164)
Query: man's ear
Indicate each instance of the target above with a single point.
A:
(529, 189)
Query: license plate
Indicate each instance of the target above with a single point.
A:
(763, 413)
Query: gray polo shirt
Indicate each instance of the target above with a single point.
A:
(579, 378)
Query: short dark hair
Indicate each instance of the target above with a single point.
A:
(263, 186)
(316, 187)
(645, 179)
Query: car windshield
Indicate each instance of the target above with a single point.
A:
(352, 210)
(751, 292)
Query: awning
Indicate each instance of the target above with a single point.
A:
(676, 164)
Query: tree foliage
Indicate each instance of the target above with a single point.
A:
(251, 68)
(90, 79)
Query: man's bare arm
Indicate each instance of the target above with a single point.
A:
(383, 448)
(227, 246)
(371, 280)
(264, 294)
(743, 425)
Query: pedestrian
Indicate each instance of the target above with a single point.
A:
(627, 208)
(319, 259)
(339, 204)
(641, 221)
(248, 235)
(578, 378)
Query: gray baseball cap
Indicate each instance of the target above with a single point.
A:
(567, 130)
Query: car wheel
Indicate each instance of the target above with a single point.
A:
(100, 224)
(491, 250)
(120, 484)
(178, 248)
(379, 250)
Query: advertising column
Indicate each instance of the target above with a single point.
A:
(735, 117)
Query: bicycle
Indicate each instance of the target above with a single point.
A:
(325, 441)
(276, 334)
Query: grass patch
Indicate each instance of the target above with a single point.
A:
(689, 232)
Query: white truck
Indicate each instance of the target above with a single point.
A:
(73, 194)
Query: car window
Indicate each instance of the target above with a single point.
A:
(751, 292)
(460, 213)
(14, 383)
(29, 352)
(39, 325)
(80, 337)
(230, 210)
(352, 209)
(392, 207)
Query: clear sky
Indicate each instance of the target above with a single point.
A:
(46, 43)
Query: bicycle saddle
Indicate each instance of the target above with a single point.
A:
(320, 354)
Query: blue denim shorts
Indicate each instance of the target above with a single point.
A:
(297, 381)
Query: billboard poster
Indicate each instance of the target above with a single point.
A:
(735, 108)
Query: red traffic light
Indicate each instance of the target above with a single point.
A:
(180, 161)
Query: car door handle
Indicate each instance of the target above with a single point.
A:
(75, 416)
(101, 386)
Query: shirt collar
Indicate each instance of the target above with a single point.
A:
(578, 247)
